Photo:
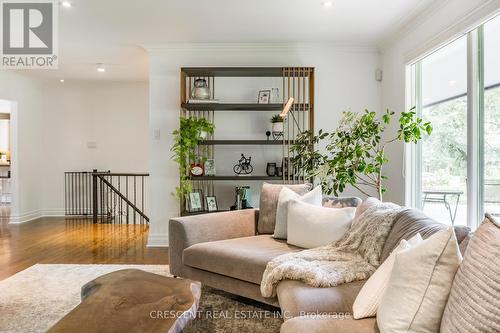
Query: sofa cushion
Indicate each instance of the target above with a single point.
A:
(329, 324)
(474, 302)
(268, 205)
(370, 296)
(311, 226)
(419, 285)
(241, 258)
(297, 298)
(409, 222)
(313, 197)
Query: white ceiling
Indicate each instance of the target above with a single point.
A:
(112, 31)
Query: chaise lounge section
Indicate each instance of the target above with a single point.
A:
(224, 251)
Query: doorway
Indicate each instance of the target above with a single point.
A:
(7, 157)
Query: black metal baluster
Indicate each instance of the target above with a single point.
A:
(135, 197)
(126, 195)
(119, 188)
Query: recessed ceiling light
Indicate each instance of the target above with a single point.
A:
(100, 68)
(61, 80)
(327, 3)
(452, 82)
(66, 4)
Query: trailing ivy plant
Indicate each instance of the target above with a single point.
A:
(355, 152)
(186, 150)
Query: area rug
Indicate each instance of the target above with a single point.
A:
(36, 298)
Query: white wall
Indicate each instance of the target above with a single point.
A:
(113, 115)
(439, 24)
(26, 169)
(344, 79)
(53, 123)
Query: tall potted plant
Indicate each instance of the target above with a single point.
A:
(355, 153)
(186, 141)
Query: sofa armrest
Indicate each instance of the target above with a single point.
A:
(189, 230)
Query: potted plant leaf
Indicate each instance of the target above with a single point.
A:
(187, 151)
(354, 153)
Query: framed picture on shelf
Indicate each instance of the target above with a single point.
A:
(264, 96)
(209, 167)
(195, 201)
(212, 204)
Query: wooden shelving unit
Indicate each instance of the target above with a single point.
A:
(238, 178)
(231, 107)
(246, 142)
(296, 82)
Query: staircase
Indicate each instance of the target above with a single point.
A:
(107, 197)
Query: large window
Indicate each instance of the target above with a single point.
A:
(491, 193)
(456, 171)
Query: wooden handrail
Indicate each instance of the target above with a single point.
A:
(124, 198)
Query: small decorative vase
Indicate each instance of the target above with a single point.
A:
(271, 169)
(200, 90)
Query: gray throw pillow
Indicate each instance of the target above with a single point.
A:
(269, 203)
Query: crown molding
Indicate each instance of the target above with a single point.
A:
(254, 48)
(468, 22)
(411, 22)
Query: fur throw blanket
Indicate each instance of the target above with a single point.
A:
(352, 258)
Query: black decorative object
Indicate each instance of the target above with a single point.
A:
(279, 171)
(243, 167)
(268, 134)
(271, 169)
(243, 196)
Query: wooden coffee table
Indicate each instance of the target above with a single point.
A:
(132, 300)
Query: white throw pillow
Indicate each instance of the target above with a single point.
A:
(314, 197)
(311, 226)
(419, 285)
(369, 297)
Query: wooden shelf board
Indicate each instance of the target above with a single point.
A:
(239, 178)
(231, 107)
(233, 71)
(245, 142)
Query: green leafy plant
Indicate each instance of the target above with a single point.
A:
(276, 119)
(186, 150)
(355, 152)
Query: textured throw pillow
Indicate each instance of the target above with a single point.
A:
(474, 303)
(369, 297)
(311, 226)
(419, 285)
(315, 197)
(341, 202)
(269, 203)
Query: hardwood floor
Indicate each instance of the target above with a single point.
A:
(61, 240)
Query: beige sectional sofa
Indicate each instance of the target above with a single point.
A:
(224, 251)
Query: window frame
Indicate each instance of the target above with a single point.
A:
(475, 129)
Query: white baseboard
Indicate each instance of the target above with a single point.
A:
(25, 217)
(157, 240)
(53, 212)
